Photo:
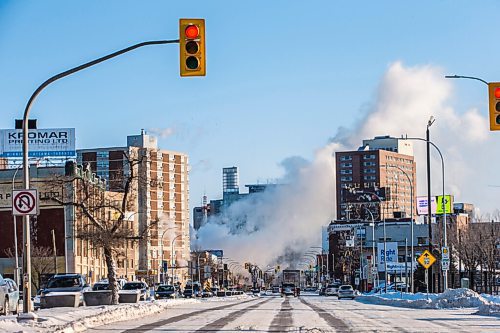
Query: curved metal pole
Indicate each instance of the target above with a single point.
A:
(443, 204)
(173, 256)
(465, 77)
(411, 222)
(160, 266)
(26, 180)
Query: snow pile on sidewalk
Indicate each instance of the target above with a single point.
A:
(70, 320)
(451, 298)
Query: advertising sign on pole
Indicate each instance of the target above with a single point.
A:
(422, 205)
(391, 254)
(41, 142)
(448, 204)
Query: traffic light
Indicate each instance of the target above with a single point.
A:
(494, 97)
(247, 265)
(278, 267)
(192, 47)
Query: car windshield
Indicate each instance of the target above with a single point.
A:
(193, 286)
(165, 288)
(133, 285)
(64, 282)
(101, 286)
(333, 286)
(288, 285)
(345, 288)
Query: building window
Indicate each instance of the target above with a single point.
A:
(346, 179)
(421, 240)
(369, 171)
(369, 177)
(369, 157)
(369, 164)
(346, 172)
(346, 158)
(346, 165)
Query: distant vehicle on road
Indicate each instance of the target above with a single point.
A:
(332, 289)
(165, 291)
(275, 290)
(290, 282)
(192, 289)
(346, 291)
(9, 296)
(138, 285)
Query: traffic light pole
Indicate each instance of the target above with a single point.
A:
(26, 180)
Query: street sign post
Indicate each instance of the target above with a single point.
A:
(24, 202)
(445, 258)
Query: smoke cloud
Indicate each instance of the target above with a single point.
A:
(277, 226)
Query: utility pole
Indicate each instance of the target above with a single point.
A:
(429, 202)
(55, 250)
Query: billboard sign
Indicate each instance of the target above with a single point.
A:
(365, 195)
(217, 253)
(41, 142)
(391, 254)
(448, 204)
(422, 205)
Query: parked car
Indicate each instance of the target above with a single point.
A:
(138, 285)
(66, 283)
(165, 291)
(332, 289)
(345, 291)
(276, 290)
(36, 299)
(9, 296)
(207, 293)
(101, 285)
(192, 290)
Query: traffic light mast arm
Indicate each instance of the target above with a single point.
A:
(465, 77)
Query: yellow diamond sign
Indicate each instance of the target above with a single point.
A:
(426, 259)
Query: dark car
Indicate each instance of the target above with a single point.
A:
(100, 286)
(165, 291)
(138, 285)
(192, 290)
(65, 283)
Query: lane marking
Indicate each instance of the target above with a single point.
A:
(221, 322)
(283, 319)
(334, 322)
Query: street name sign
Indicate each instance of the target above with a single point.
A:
(426, 259)
(24, 202)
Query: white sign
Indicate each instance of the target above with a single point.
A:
(42, 142)
(24, 202)
(398, 267)
(445, 264)
(391, 254)
(422, 205)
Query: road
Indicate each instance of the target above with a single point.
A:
(309, 313)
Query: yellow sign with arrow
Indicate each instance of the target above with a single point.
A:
(426, 259)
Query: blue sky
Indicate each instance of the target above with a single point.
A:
(282, 76)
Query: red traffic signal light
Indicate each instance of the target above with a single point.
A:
(494, 105)
(192, 47)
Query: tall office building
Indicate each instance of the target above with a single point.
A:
(382, 162)
(162, 194)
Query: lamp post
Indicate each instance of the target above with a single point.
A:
(173, 256)
(443, 204)
(385, 234)
(26, 180)
(411, 220)
(160, 265)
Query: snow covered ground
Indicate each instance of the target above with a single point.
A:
(70, 320)
(452, 298)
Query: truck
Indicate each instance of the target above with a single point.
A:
(290, 283)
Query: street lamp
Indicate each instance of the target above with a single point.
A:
(385, 234)
(445, 272)
(160, 265)
(27, 314)
(411, 221)
(173, 256)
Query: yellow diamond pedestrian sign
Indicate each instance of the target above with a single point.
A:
(426, 259)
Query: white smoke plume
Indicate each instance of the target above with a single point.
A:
(162, 133)
(286, 221)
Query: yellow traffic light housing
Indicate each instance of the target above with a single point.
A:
(192, 47)
(494, 105)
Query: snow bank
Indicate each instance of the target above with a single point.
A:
(69, 320)
(451, 298)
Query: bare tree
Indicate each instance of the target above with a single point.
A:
(100, 214)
